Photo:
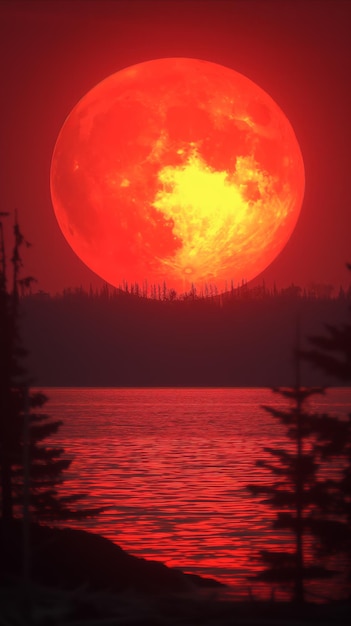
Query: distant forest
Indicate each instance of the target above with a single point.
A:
(119, 338)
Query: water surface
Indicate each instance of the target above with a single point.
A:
(171, 468)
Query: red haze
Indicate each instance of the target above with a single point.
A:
(299, 52)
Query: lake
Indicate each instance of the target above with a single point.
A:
(171, 467)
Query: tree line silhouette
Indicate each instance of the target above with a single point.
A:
(110, 338)
(208, 294)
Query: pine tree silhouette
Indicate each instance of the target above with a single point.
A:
(31, 470)
(331, 353)
(294, 493)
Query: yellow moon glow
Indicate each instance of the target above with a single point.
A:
(179, 171)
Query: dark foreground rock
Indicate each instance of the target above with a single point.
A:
(82, 579)
(69, 558)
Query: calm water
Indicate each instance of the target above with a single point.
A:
(171, 468)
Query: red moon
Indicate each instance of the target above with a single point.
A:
(177, 171)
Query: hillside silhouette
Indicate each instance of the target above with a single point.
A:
(114, 338)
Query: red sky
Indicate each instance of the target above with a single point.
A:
(299, 51)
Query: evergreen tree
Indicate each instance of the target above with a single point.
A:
(332, 527)
(292, 494)
(31, 471)
(8, 427)
(331, 353)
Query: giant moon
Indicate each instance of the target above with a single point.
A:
(177, 171)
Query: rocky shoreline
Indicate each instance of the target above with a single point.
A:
(71, 558)
(78, 578)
